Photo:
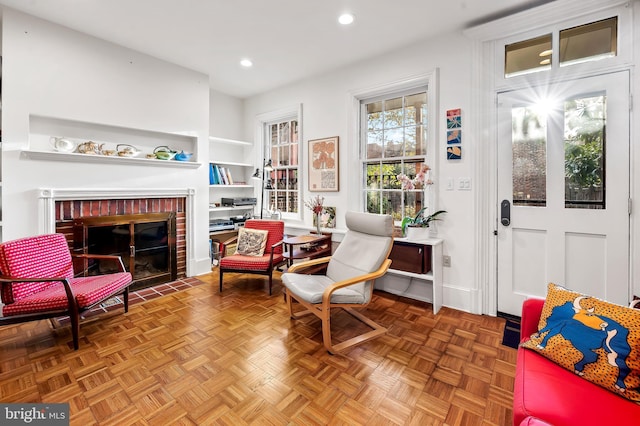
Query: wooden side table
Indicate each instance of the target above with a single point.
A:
(306, 247)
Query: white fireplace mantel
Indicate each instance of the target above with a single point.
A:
(47, 198)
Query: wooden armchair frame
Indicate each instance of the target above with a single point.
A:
(323, 310)
(268, 270)
(72, 310)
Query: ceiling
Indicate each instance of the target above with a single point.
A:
(287, 40)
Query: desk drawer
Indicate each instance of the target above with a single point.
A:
(410, 257)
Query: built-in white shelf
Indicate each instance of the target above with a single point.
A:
(106, 159)
(427, 276)
(434, 277)
(231, 208)
(231, 163)
(231, 186)
(229, 141)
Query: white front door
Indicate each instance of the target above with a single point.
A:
(563, 180)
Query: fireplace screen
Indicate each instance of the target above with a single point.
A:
(146, 243)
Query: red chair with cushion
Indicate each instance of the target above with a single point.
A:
(38, 282)
(254, 261)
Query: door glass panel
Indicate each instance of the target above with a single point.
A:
(529, 145)
(588, 42)
(527, 56)
(584, 147)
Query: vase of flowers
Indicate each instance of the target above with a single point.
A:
(315, 204)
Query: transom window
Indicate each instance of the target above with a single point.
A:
(393, 141)
(582, 43)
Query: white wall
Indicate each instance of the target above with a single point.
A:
(225, 116)
(325, 103)
(52, 71)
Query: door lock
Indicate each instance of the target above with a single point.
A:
(505, 213)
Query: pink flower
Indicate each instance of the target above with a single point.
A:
(421, 177)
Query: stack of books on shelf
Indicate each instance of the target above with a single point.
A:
(219, 175)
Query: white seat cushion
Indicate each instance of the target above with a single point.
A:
(311, 287)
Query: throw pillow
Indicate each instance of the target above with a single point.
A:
(251, 242)
(598, 340)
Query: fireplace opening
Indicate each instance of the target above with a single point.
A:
(145, 242)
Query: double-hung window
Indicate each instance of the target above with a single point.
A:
(394, 130)
(281, 187)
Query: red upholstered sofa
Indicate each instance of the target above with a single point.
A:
(545, 393)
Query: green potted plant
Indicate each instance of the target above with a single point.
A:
(420, 220)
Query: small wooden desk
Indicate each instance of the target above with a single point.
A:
(320, 246)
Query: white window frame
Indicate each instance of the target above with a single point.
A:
(428, 82)
(262, 122)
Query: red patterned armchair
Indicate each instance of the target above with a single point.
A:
(263, 264)
(38, 282)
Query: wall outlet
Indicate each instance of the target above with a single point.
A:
(446, 261)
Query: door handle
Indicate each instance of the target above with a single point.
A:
(505, 213)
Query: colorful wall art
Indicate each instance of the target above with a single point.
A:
(323, 164)
(454, 134)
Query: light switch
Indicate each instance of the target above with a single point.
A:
(449, 186)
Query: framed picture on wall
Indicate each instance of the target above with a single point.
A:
(323, 165)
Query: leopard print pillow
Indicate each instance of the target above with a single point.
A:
(597, 340)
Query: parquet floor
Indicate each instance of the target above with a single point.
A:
(200, 357)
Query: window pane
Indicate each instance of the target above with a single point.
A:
(374, 116)
(421, 140)
(284, 156)
(411, 169)
(528, 56)
(374, 144)
(393, 113)
(393, 205)
(284, 132)
(410, 141)
(414, 201)
(584, 144)
(373, 202)
(588, 42)
(529, 144)
(415, 109)
(373, 176)
(294, 154)
(393, 143)
(389, 173)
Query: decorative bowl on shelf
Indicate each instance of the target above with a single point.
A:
(90, 147)
(62, 144)
(126, 150)
(183, 156)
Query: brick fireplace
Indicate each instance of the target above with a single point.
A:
(59, 208)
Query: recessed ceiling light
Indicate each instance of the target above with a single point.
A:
(346, 18)
(246, 63)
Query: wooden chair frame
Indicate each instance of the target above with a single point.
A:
(268, 271)
(323, 310)
(73, 310)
